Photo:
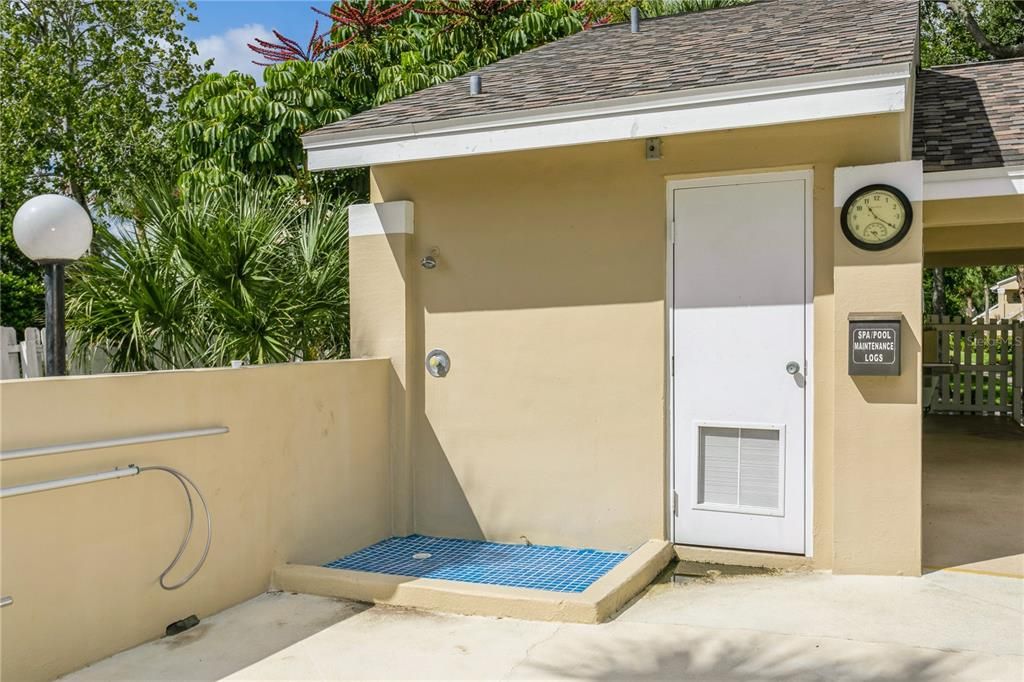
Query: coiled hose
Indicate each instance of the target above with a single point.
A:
(185, 482)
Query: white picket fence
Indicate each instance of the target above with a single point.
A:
(987, 378)
(27, 359)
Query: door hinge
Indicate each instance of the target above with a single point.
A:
(673, 369)
(673, 231)
(675, 503)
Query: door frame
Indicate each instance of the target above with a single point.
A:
(746, 177)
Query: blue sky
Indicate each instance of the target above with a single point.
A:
(225, 26)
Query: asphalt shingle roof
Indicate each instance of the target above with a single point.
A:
(970, 116)
(763, 40)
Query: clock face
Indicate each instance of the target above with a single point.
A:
(876, 217)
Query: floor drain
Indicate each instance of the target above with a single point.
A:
(422, 555)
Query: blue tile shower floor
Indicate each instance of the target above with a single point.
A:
(557, 569)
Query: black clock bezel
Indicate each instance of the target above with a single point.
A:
(892, 241)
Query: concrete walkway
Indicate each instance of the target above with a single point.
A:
(973, 490)
(944, 626)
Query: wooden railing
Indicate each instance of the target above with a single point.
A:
(986, 358)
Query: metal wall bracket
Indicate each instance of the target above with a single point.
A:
(652, 148)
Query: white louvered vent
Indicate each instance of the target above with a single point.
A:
(739, 468)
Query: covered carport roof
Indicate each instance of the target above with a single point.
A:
(970, 116)
(969, 136)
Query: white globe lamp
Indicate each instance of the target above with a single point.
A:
(53, 230)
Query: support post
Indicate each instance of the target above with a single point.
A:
(56, 352)
(877, 433)
(1018, 372)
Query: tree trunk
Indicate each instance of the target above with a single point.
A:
(938, 292)
(75, 188)
(78, 194)
(984, 42)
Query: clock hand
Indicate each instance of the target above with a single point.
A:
(880, 218)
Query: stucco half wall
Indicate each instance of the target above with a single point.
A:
(302, 476)
(549, 296)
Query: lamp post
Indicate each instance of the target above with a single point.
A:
(53, 230)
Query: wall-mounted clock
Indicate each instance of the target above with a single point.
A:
(876, 217)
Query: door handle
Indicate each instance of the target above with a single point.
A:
(792, 367)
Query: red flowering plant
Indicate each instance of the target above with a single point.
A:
(363, 19)
(371, 34)
(287, 50)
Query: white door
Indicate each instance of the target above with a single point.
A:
(740, 319)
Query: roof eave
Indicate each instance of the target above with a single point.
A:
(974, 183)
(833, 94)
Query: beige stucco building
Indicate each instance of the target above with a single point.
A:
(631, 247)
(1007, 305)
(652, 290)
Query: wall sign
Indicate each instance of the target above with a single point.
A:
(874, 344)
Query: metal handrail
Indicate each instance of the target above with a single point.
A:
(111, 442)
(133, 470)
(41, 486)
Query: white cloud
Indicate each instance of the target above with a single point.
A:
(230, 51)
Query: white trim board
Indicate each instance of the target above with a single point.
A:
(974, 183)
(837, 94)
(903, 175)
(389, 217)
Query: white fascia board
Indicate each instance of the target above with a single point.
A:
(974, 183)
(856, 92)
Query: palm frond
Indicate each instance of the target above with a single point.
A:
(246, 272)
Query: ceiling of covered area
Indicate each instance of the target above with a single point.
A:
(974, 231)
(969, 136)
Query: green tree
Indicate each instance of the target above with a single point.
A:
(963, 288)
(962, 31)
(999, 31)
(233, 130)
(87, 94)
(21, 285)
(473, 33)
(248, 272)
